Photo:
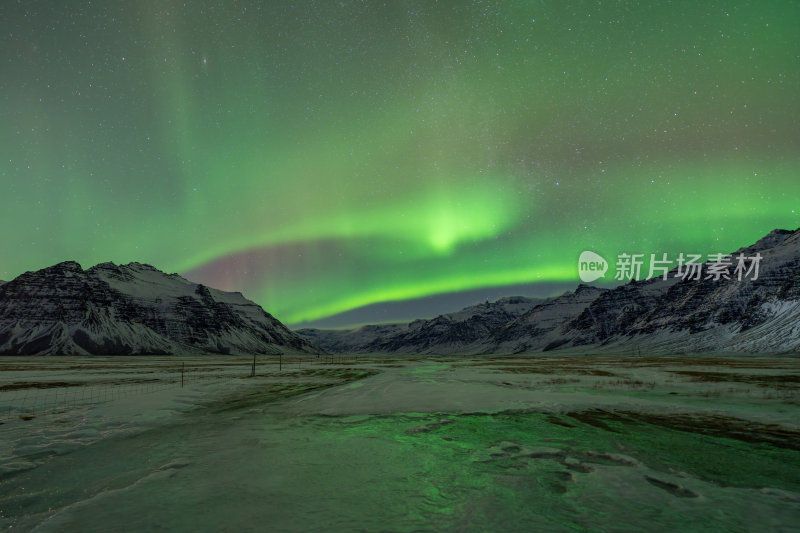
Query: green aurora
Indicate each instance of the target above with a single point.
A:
(321, 156)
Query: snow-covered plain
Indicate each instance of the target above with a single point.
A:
(556, 443)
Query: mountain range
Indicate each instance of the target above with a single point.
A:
(758, 313)
(137, 309)
(132, 309)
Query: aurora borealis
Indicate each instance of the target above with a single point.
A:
(322, 156)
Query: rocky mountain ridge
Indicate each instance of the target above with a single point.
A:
(759, 314)
(132, 309)
(756, 314)
(458, 332)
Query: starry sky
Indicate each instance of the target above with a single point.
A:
(325, 156)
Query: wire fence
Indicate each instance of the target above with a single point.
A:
(34, 394)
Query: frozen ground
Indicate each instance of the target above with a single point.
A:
(568, 443)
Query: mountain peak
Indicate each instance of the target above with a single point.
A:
(770, 240)
(511, 300)
(132, 309)
(583, 289)
(141, 266)
(70, 266)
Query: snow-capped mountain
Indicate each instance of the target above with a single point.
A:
(463, 331)
(749, 315)
(539, 327)
(672, 315)
(132, 309)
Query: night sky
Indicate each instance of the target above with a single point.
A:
(322, 156)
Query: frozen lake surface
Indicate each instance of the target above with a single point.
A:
(529, 443)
